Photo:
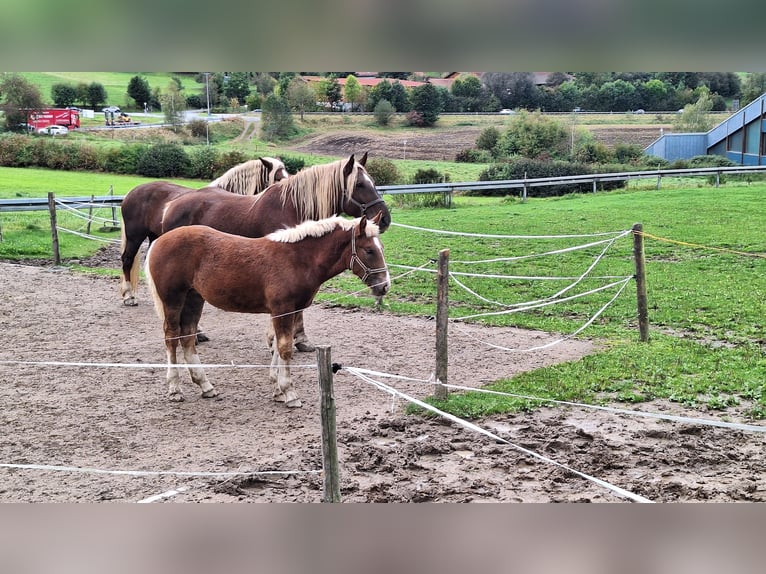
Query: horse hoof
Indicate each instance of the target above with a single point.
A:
(130, 302)
(202, 338)
(176, 397)
(280, 398)
(294, 404)
(305, 347)
(210, 394)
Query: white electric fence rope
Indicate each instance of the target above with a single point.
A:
(74, 211)
(147, 365)
(556, 295)
(514, 277)
(86, 236)
(674, 418)
(490, 236)
(382, 386)
(214, 474)
(547, 253)
(163, 495)
(557, 341)
(623, 282)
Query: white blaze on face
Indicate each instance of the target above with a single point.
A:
(367, 178)
(379, 245)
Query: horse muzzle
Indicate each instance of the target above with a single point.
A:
(380, 286)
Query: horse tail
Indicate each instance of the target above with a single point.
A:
(158, 307)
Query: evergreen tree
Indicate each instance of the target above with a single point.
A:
(427, 102)
(139, 91)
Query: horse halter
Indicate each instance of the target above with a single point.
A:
(363, 207)
(355, 258)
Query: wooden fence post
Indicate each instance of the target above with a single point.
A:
(640, 262)
(331, 489)
(54, 230)
(114, 209)
(90, 213)
(442, 322)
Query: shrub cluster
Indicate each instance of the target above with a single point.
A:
(520, 168)
(162, 160)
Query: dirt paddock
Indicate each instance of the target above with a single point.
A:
(114, 418)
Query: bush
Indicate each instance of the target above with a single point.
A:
(429, 175)
(532, 135)
(473, 156)
(293, 164)
(228, 160)
(519, 168)
(627, 153)
(163, 160)
(488, 139)
(416, 119)
(198, 128)
(710, 161)
(194, 102)
(203, 162)
(383, 112)
(383, 172)
(124, 159)
(10, 149)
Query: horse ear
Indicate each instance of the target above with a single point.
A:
(266, 163)
(364, 159)
(348, 168)
(377, 217)
(362, 226)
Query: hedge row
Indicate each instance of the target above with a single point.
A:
(520, 168)
(163, 160)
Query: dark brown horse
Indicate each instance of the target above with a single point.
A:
(144, 205)
(316, 192)
(278, 274)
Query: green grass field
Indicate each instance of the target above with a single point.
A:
(115, 83)
(706, 275)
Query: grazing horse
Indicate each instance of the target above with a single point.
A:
(143, 207)
(317, 192)
(278, 274)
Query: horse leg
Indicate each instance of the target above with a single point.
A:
(201, 337)
(189, 319)
(280, 363)
(173, 379)
(130, 268)
(270, 337)
(301, 339)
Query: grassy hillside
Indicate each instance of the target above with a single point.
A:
(115, 83)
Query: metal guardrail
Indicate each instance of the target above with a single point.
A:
(41, 203)
(448, 187)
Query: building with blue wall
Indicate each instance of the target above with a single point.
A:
(740, 138)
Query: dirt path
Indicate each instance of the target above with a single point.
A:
(116, 418)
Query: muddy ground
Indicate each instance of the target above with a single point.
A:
(444, 144)
(115, 418)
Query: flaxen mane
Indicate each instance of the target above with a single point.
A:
(319, 191)
(320, 228)
(250, 177)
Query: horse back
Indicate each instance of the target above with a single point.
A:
(231, 272)
(143, 205)
(245, 215)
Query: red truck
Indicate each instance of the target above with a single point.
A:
(54, 117)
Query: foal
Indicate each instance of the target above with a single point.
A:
(279, 274)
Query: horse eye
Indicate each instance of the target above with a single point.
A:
(369, 251)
